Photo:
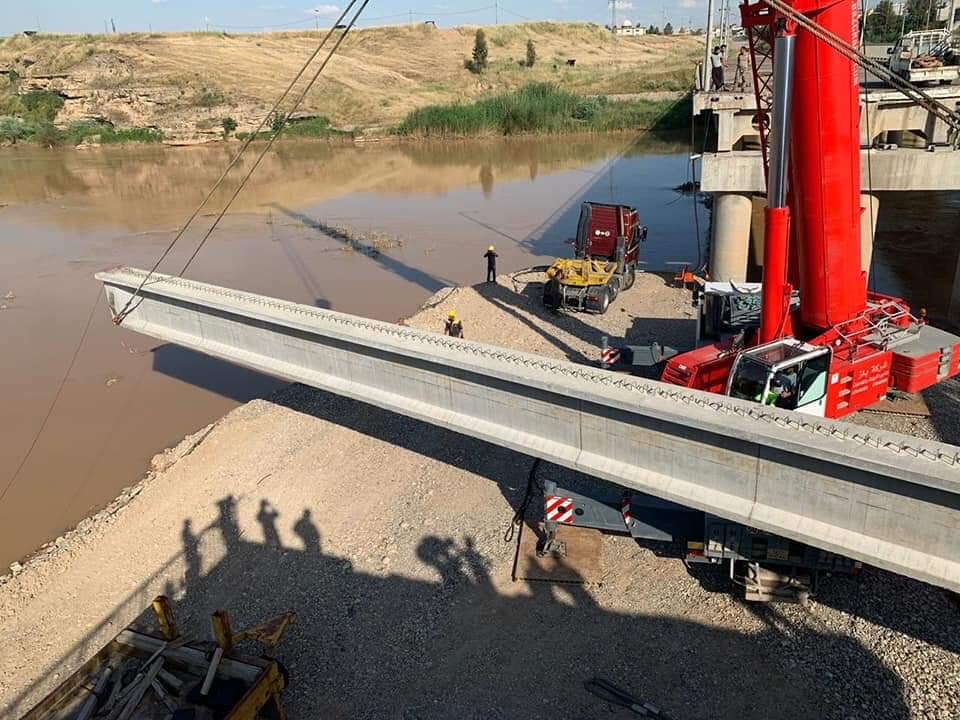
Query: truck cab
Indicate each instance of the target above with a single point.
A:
(788, 374)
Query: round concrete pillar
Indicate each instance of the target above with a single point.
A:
(870, 205)
(731, 237)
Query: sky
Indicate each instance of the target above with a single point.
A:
(93, 16)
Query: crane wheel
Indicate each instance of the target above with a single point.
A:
(613, 287)
(604, 301)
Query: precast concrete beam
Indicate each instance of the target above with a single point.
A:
(886, 499)
(890, 170)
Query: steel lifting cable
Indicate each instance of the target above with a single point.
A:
(273, 138)
(128, 307)
(951, 117)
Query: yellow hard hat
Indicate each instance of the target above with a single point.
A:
(490, 249)
(452, 314)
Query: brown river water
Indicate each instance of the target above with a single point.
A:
(66, 214)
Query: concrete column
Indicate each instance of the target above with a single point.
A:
(870, 205)
(730, 242)
(726, 130)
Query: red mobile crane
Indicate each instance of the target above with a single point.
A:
(843, 348)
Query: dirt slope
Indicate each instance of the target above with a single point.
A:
(185, 84)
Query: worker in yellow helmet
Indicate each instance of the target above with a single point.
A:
(453, 326)
(491, 256)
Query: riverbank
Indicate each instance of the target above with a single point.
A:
(535, 109)
(194, 87)
(403, 574)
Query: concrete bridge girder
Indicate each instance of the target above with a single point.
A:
(886, 499)
(900, 170)
(881, 112)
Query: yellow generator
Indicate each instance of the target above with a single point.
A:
(607, 254)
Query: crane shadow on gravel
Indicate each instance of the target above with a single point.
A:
(458, 640)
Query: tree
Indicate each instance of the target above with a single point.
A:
(229, 125)
(668, 29)
(883, 24)
(531, 53)
(652, 30)
(921, 15)
(480, 51)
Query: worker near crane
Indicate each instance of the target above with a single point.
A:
(716, 68)
(453, 327)
(491, 256)
(743, 67)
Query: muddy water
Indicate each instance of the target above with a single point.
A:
(65, 215)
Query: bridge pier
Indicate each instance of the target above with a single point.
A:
(730, 240)
(738, 225)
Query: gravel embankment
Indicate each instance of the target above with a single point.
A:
(385, 535)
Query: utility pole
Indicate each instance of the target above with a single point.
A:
(724, 12)
(613, 33)
(706, 56)
(496, 16)
(113, 25)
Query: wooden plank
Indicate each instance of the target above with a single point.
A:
(126, 710)
(581, 564)
(230, 667)
(90, 704)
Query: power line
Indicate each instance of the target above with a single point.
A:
(127, 308)
(56, 397)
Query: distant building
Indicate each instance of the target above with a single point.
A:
(627, 28)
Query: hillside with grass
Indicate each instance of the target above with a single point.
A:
(198, 86)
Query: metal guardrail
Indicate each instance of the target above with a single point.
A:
(886, 499)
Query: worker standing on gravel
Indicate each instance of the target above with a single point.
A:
(491, 256)
(453, 326)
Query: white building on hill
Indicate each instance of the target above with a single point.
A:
(627, 28)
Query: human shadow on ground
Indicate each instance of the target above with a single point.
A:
(459, 642)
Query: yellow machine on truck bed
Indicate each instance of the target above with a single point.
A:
(583, 284)
(607, 254)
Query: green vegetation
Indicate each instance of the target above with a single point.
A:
(318, 127)
(481, 53)
(531, 54)
(312, 128)
(36, 106)
(883, 23)
(543, 108)
(45, 133)
(209, 98)
(229, 125)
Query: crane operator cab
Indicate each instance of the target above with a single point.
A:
(787, 374)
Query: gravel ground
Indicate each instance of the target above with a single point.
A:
(385, 535)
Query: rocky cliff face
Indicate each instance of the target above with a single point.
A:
(109, 88)
(186, 84)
